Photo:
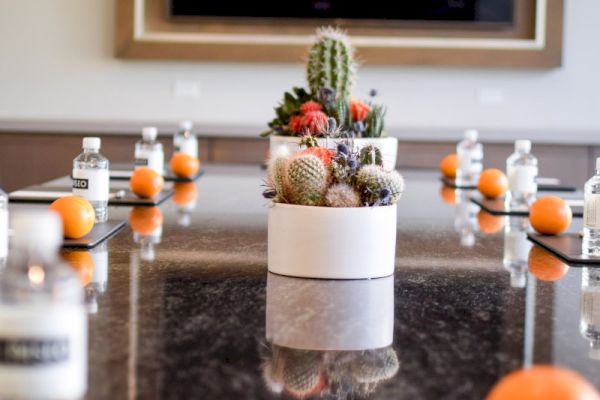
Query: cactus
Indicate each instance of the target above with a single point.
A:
(307, 180)
(277, 173)
(376, 366)
(378, 186)
(374, 123)
(371, 155)
(302, 374)
(342, 195)
(331, 63)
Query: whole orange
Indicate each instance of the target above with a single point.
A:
(543, 382)
(145, 220)
(77, 214)
(550, 215)
(82, 262)
(488, 223)
(492, 183)
(448, 195)
(185, 193)
(184, 165)
(448, 165)
(545, 266)
(146, 182)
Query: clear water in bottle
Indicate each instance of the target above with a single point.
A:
(470, 159)
(184, 140)
(522, 172)
(590, 310)
(43, 322)
(591, 214)
(149, 152)
(3, 228)
(91, 177)
(516, 250)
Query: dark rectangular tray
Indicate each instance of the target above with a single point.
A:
(43, 194)
(99, 233)
(125, 173)
(542, 188)
(496, 207)
(566, 246)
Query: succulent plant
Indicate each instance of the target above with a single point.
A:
(277, 178)
(306, 180)
(290, 106)
(331, 63)
(371, 155)
(374, 122)
(342, 195)
(378, 186)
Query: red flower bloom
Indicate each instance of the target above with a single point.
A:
(315, 122)
(310, 106)
(322, 153)
(358, 110)
(295, 124)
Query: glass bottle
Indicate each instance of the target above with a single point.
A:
(3, 228)
(184, 140)
(591, 214)
(91, 177)
(43, 321)
(470, 159)
(522, 172)
(590, 309)
(149, 152)
(516, 250)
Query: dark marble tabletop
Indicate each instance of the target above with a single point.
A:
(187, 309)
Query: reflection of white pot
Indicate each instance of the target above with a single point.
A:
(332, 243)
(313, 314)
(285, 145)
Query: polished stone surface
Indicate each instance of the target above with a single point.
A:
(181, 310)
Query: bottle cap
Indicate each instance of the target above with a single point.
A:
(37, 229)
(92, 143)
(598, 163)
(471, 135)
(149, 133)
(186, 125)
(523, 145)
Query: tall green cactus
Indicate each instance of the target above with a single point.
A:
(371, 155)
(307, 179)
(378, 186)
(331, 62)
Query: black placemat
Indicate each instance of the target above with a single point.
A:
(124, 174)
(99, 233)
(43, 194)
(542, 188)
(496, 207)
(566, 246)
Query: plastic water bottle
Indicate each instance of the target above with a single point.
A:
(91, 177)
(470, 159)
(465, 218)
(3, 228)
(591, 214)
(97, 287)
(516, 250)
(185, 141)
(148, 152)
(522, 172)
(43, 321)
(590, 309)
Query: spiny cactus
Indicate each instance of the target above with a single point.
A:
(307, 179)
(374, 123)
(371, 155)
(342, 195)
(331, 62)
(277, 173)
(378, 186)
(375, 366)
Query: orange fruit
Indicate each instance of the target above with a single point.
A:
(82, 262)
(488, 223)
(545, 266)
(448, 195)
(145, 220)
(146, 182)
(492, 183)
(184, 165)
(550, 215)
(77, 214)
(543, 382)
(448, 165)
(185, 193)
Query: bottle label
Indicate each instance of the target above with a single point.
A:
(3, 233)
(141, 162)
(591, 211)
(471, 161)
(43, 351)
(91, 184)
(150, 159)
(522, 179)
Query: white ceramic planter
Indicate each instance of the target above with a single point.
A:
(312, 314)
(284, 145)
(332, 243)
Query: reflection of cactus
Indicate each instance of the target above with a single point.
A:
(307, 180)
(378, 186)
(277, 172)
(374, 123)
(301, 372)
(330, 63)
(375, 366)
(371, 155)
(342, 195)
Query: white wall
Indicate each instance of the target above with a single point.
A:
(56, 64)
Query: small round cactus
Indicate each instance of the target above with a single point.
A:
(342, 195)
(307, 179)
(378, 186)
(371, 155)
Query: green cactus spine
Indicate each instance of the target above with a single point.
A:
(307, 179)
(378, 186)
(331, 62)
(371, 155)
(277, 175)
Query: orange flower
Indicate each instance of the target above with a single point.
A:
(315, 122)
(359, 110)
(322, 153)
(295, 125)
(310, 106)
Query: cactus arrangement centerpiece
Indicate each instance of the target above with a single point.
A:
(327, 108)
(342, 177)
